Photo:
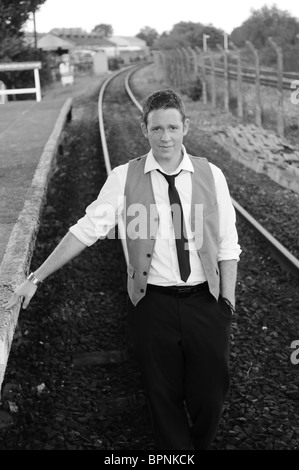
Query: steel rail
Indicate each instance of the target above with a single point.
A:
(132, 69)
(282, 255)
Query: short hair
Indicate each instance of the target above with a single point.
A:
(163, 99)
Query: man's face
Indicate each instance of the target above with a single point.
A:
(165, 131)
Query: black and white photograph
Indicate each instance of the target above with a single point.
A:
(149, 228)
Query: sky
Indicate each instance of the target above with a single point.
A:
(128, 17)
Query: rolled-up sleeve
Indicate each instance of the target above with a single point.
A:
(229, 247)
(102, 215)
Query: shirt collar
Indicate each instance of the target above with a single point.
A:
(152, 164)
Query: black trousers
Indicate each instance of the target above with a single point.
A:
(182, 347)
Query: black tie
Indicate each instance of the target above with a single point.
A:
(179, 226)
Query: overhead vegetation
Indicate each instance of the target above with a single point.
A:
(189, 34)
(149, 35)
(13, 15)
(278, 24)
(266, 22)
(104, 30)
(270, 22)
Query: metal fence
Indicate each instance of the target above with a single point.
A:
(224, 79)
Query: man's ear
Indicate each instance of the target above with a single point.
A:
(186, 126)
(144, 129)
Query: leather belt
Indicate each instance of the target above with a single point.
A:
(178, 291)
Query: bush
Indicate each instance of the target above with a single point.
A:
(193, 89)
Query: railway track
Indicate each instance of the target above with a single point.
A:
(267, 324)
(60, 390)
(285, 258)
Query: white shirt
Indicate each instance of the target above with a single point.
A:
(102, 216)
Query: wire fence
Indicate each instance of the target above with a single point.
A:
(255, 94)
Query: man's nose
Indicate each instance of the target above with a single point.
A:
(165, 136)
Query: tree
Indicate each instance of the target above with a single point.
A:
(148, 34)
(278, 24)
(14, 14)
(186, 34)
(104, 30)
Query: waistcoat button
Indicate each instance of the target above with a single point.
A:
(141, 290)
(144, 273)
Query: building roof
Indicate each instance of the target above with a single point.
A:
(128, 41)
(51, 42)
(81, 38)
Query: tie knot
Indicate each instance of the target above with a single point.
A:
(170, 178)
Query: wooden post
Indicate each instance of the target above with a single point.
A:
(258, 101)
(280, 113)
(213, 81)
(239, 82)
(225, 78)
(37, 85)
(204, 79)
(3, 98)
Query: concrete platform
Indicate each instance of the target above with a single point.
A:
(24, 131)
(30, 136)
(29, 141)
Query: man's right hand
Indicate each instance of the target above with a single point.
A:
(24, 291)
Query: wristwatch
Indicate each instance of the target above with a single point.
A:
(233, 310)
(33, 279)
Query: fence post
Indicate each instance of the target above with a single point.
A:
(175, 67)
(258, 101)
(280, 120)
(204, 79)
(239, 82)
(37, 85)
(181, 66)
(213, 82)
(3, 98)
(226, 82)
(169, 67)
(159, 62)
(193, 61)
(187, 63)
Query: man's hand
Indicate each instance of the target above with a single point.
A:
(26, 290)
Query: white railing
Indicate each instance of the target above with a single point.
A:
(16, 66)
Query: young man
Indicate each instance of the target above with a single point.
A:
(182, 266)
